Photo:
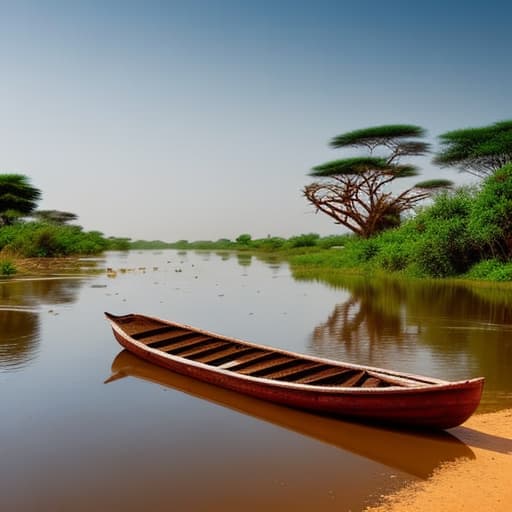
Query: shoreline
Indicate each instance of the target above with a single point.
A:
(74, 263)
(37, 267)
(465, 485)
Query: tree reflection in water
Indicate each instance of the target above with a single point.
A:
(19, 316)
(453, 330)
(19, 339)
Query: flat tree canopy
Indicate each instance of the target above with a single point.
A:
(479, 151)
(387, 135)
(55, 216)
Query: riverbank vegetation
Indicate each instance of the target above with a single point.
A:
(26, 232)
(463, 232)
(467, 233)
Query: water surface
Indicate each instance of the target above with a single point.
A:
(152, 440)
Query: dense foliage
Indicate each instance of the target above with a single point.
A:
(18, 197)
(50, 235)
(465, 232)
(55, 216)
(40, 239)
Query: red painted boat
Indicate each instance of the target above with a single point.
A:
(311, 383)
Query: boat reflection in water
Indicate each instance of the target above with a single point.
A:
(417, 454)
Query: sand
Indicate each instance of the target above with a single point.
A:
(483, 483)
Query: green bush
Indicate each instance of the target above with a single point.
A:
(393, 258)
(367, 249)
(439, 242)
(304, 240)
(269, 243)
(118, 243)
(490, 221)
(327, 242)
(445, 249)
(39, 239)
(491, 270)
(7, 268)
(244, 239)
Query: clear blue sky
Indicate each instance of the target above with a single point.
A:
(201, 120)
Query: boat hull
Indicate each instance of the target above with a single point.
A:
(439, 406)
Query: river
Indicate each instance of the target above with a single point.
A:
(152, 440)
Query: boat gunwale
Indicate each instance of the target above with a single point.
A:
(425, 384)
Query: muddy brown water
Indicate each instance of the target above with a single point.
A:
(153, 440)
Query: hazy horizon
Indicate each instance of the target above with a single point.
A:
(201, 120)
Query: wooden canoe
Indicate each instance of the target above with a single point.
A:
(305, 382)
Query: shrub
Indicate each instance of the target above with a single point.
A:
(367, 249)
(492, 270)
(244, 239)
(437, 240)
(270, 243)
(7, 268)
(393, 258)
(304, 240)
(327, 242)
(445, 250)
(118, 243)
(490, 221)
(37, 239)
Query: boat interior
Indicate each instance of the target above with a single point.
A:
(252, 360)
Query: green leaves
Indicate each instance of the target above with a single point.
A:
(348, 166)
(55, 216)
(377, 135)
(17, 197)
(480, 151)
(434, 184)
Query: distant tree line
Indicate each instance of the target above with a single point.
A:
(28, 232)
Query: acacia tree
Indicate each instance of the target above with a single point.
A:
(478, 151)
(355, 191)
(18, 198)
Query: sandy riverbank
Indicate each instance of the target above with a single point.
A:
(484, 483)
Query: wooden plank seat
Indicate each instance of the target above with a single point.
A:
(156, 339)
(327, 372)
(247, 358)
(177, 346)
(291, 371)
(352, 381)
(225, 354)
(258, 366)
(202, 348)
